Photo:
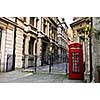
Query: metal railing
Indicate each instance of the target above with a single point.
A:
(31, 61)
(45, 60)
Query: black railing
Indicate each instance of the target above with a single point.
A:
(45, 60)
(31, 61)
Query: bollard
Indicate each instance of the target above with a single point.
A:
(66, 68)
(50, 68)
(66, 63)
(35, 62)
(50, 64)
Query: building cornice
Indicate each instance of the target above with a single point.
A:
(20, 19)
(11, 22)
(79, 21)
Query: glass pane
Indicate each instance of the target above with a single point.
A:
(75, 62)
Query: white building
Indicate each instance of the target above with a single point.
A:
(22, 39)
(62, 39)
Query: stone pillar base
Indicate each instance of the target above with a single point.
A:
(2, 67)
(38, 61)
(26, 61)
(87, 77)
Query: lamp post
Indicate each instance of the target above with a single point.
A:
(50, 59)
(66, 63)
(14, 55)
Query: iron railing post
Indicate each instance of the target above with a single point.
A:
(50, 64)
(35, 63)
(66, 63)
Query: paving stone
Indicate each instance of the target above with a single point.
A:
(57, 75)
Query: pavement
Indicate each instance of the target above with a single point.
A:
(42, 75)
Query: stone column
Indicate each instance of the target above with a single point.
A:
(3, 51)
(42, 24)
(87, 62)
(84, 59)
(47, 53)
(18, 50)
(93, 58)
(39, 24)
(48, 29)
(39, 51)
(26, 50)
(34, 47)
(35, 22)
(87, 65)
(28, 20)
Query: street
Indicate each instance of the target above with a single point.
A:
(42, 75)
(45, 78)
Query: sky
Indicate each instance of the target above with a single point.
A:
(69, 20)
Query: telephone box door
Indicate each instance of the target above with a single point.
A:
(76, 63)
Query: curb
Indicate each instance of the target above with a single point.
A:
(27, 70)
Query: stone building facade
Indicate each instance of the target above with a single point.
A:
(62, 40)
(91, 70)
(29, 39)
(70, 36)
(6, 45)
(79, 36)
(96, 49)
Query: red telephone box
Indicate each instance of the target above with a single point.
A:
(76, 61)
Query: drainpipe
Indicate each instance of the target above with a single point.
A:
(14, 55)
(91, 49)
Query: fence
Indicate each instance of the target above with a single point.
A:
(31, 61)
(45, 60)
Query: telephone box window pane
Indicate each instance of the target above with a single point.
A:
(75, 61)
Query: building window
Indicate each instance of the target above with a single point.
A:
(24, 18)
(31, 46)
(24, 38)
(0, 38)
(44, 26)
(53, 33)
(97, 17)
(49, 29)
(32, 20)
(37, 23)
